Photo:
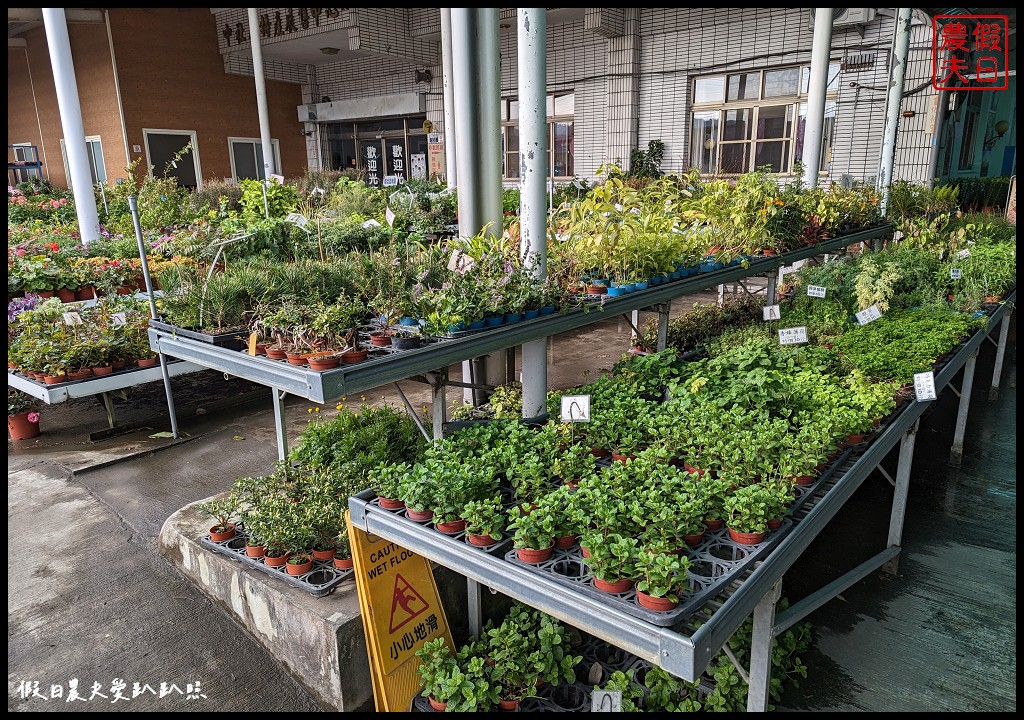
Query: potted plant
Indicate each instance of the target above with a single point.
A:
(611, 561)
(485, 521)
(508, 647)
(533, 533)
(454, 682)
(748, 510)
(222, 509)
(387, 479)
(22, 415)
(342, 551)
(662, 577)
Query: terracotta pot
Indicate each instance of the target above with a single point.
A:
(450, 528)
(66, 295)
(80, 374)
(480, 540)
(658, 604)
(102, 370)
(419, 515)
(693, 540)
(327, 554)
(855, 439)
(565, 541)
(532, 555)
(275, 561)
(222, 536)
(343, 563)
(148, 362)
(992, 299)
(804, 480)
(296, 358)
(54, 379)
(613, 586)
(276, 353)
(714, 523)
(746, 538)
(508, 705)
(585, 551)
(47, 293)
(622, 458)
(775, 523)
(126, 290)
(437, 706)
(255, 551)
(379, 339)
(119, 364)
(353, 356)
(295, 568)
(599, 452)
(692, 469)
(323, 363)
(597, 289)
(86, 292)
(260, 349)
(391, 503)
(20, 428)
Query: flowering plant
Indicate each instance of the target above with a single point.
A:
(19, 402)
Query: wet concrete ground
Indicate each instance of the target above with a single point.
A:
(90, 599)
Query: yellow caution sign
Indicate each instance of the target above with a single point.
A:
(401, 610)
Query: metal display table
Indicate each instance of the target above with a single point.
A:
(103, 386)
(686, 648)
(433, 359)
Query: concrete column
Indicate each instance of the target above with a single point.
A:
(261, 94)
(898, 70)
(66, 85)
(533, 174)
(476, 66)
(821, 47)
(451, 169)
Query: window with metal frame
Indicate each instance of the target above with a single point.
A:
(756, 119)
(560, 110)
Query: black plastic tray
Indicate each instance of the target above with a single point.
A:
(231, 341)
(319, 581)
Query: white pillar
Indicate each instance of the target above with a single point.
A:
(898, 70)
(821, 48)
(70, 108)
(533, 174)
(261, 93)
(451, 167)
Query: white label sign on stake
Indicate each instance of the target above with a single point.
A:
(792, 336)
(72, 318)
(297, 219)
(817, 291)
(963, 254)
(924, 386)
(606, 701)
(869, 315)
(770, 312)
(575, 408)
(119, 318)
(955, 273)
(389, 215)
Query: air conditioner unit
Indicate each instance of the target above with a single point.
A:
(848, 17)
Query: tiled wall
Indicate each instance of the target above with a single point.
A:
(631, 70)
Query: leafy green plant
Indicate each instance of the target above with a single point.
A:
(534, 530)
(661, 574)
(484, 517)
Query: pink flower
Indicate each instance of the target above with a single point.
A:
(33, 417)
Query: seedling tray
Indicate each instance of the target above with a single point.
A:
(231, 341)
(319, 581)
(714, 563)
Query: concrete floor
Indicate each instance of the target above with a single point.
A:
(90, 599)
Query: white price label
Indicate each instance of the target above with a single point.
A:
(575, 408)
(606, 701)
(963, 254)
(869, 315)
(792, 336)
(817, 291)
(72, 318)
(955, 273)
(924, 386)
(389, 215)
(119, 318)
(770, 312)
(460, 261)
(297, 219)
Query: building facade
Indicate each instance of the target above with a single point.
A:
(723, 90)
